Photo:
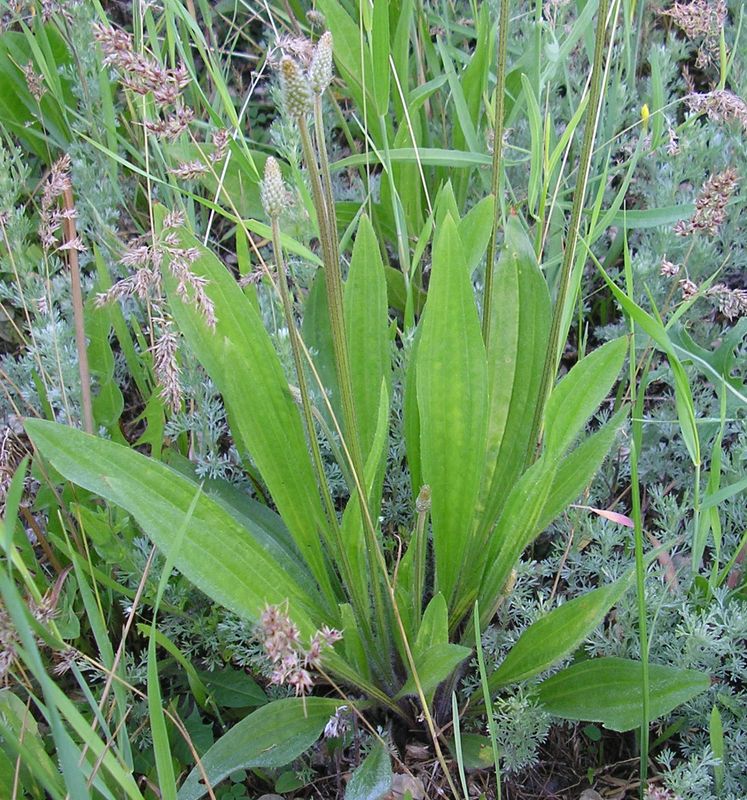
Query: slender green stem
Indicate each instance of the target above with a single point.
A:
(329, 199)
(488, 704)
(422, 506)
(351, 439)
(333, 283)
(640, 566)
(458, 743)
(337, 546)
(374, 548)
(495, 185)
(429, 721)
(569, 257)
(696, 512)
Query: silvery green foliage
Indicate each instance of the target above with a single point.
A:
(35, 292)
(521, 726)
(398, 510)
(34, 286)
(203, 419)
(685, 627)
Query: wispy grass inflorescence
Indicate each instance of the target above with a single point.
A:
(732, 303)
(52, 217)
(34, 81)
(292, 661)
(710, 205)
(719, 105)
(220, 139)
(166, 365)
(701, 21)
(143, 75)
(44, 610)
(140, 73)
(189, 170)
(145, 283)
(668, 268)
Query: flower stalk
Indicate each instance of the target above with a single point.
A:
(300, 100)
(498, 129)
(274, 198)
(587, 150)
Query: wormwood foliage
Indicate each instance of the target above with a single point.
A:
(422, 237)
(405, 638)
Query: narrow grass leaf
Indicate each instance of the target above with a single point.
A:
(577, 469)
(682, 392)
(716, 737)
(535, 155)
(428, 156)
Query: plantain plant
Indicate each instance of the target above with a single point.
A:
(496, 450)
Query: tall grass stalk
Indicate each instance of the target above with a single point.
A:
(497, 167)
(76, 294)
(333, 283)
(635, 493)
(569, 256)
(339, 548)
(486, 700)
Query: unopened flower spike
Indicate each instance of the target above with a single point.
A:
(320, 71)
(272, 190)
(297, 94)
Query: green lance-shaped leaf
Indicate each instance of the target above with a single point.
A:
(317, 335)
(411, 417)
(434, 627)
(556, 634)
(435, 659)
(516, 356)
(578, 395)
(380, 50)
(240, 358)
(517, 527)
(373, 779)
(578, 468)
(217, 554)
(474, 231)
(433, 666)
(367, 330)
(682, 392)
(610, 691)
(270, 737)
(451, 388)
